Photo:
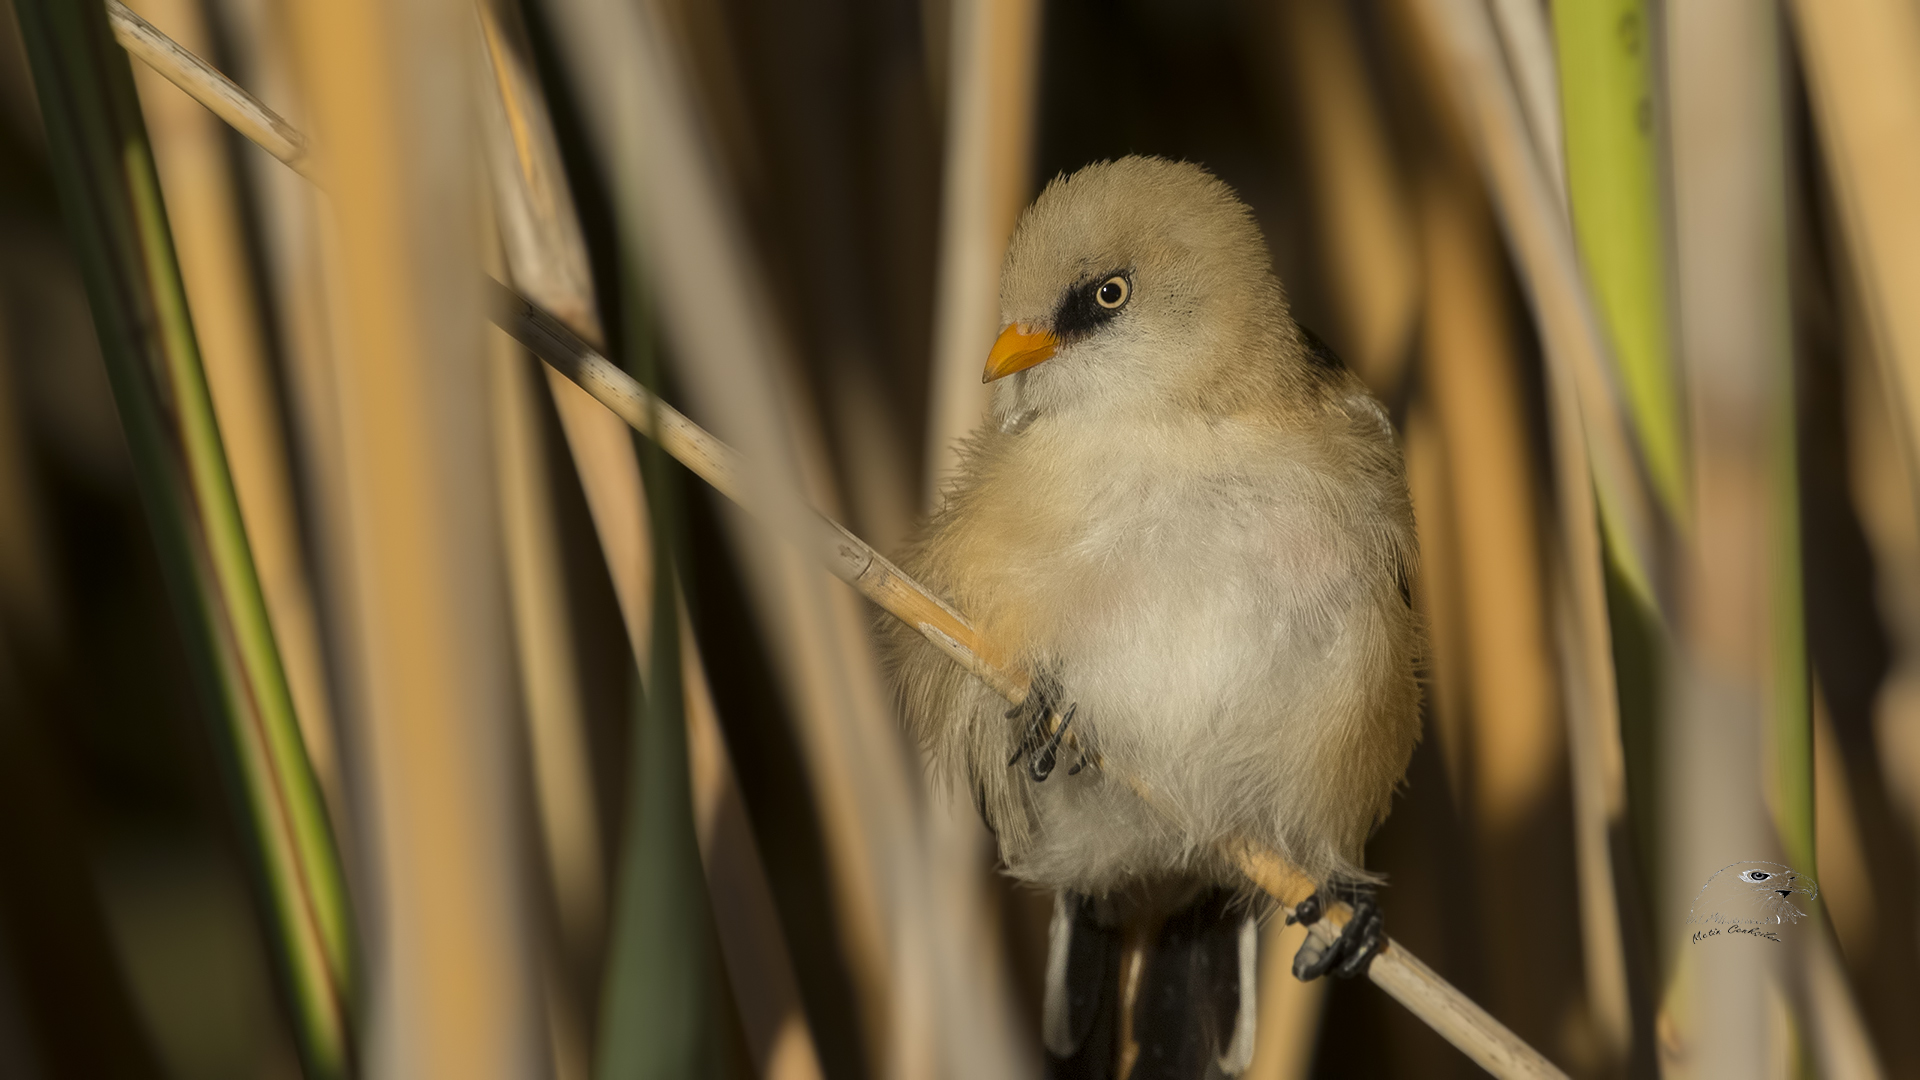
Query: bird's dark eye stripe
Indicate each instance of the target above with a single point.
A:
(1080, 312)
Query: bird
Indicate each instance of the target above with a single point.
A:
(1753, 892)
(1190, 523)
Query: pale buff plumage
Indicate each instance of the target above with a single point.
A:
(1200, 528)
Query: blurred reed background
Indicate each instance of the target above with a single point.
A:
(374, 702)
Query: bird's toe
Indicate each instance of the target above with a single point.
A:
(1040, 738)
(1348, 954)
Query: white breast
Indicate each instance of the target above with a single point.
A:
(1201, 581)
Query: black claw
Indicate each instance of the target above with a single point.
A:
(1040, 765)
(1359, 942)
(1035, 733)
(1307, 912)
(1039, 745)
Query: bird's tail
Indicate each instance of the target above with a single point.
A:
(1143, 991)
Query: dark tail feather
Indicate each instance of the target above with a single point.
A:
(1081, 1021)
(1190, 1013)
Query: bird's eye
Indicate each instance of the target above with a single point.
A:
(1112, 292)
(1757, 875)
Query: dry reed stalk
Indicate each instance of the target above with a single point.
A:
(992, 67)
(118, 227)
(548, 255)
(1436, 592)
(539, 226)
(532, 211)
(541, 234)
(301, 267)
(1884, 494)
(758, 963)
(1486, 594)
(540, 231)
(559, 771)
(454, 969)
(991, 63)
(765, 87)
(1460, 37)
(1846, 882)
(925, 1007)
(1529, 52)
(1585, 657)
(1472, 377)
(1586, 432)
(1290, 1010)
(296, 238)
(299, 261)
(1841, 1047)
(1841, 1043)
(1450, 1013)
(1728, 157)
(241, 110)
(197, 177)
(523, 203)
(1367, 231)
(1862, 61)
(543, 633)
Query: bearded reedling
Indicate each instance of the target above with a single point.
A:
(1191, 522)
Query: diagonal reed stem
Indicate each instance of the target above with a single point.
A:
(221, 95)
(1435, 1001)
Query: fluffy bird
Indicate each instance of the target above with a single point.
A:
(1191, 522)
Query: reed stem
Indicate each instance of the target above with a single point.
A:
(118, 224)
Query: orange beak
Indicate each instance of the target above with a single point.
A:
(1017, 350)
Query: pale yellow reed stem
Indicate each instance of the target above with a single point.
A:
(452, 978)
(192, 155)
(994, 65)
(1372, 266)
(546, 253)
(206, 85)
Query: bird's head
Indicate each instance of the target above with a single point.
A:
(1137, 283)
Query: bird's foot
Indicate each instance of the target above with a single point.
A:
(1040, 742)
(1359, 942)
